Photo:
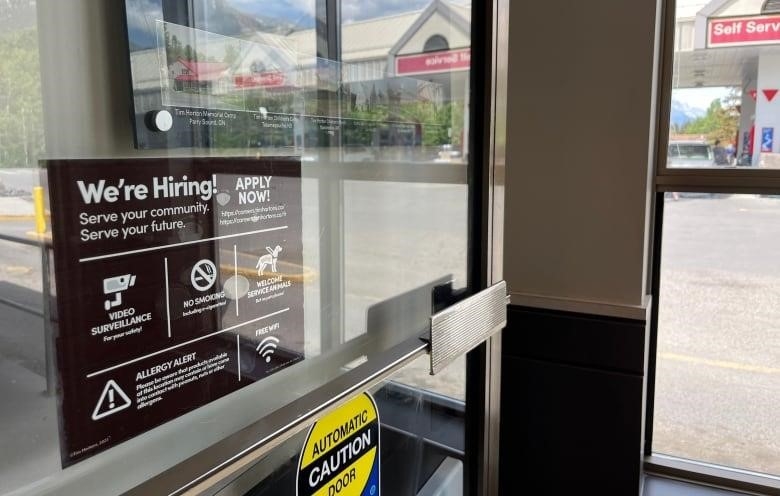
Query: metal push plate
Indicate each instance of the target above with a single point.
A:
(461, 327)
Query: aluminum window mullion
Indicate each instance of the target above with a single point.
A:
(758, 182)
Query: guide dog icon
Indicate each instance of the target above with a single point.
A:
(267, 260)
(115, 285)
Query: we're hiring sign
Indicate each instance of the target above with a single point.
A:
(741, 31)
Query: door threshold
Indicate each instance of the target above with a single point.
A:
(740, 481)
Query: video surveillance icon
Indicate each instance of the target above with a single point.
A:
(115, 285)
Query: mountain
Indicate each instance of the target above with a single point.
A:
(234, 18)
(226, 17)
(682, 113)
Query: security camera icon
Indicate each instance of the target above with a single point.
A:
(115, 285)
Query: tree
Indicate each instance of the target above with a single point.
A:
(21, 108)
(721, 121)
(173, 48)
(231, 55)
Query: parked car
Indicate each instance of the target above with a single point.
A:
(448, 153)
(690, 154)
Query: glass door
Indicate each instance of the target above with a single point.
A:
(297, 190)
(421, 437)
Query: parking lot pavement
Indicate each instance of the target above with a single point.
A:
(16, 208)
(717, 415)
(19, 181)
(718, 374)
(19, 264)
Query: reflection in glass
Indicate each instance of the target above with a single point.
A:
(28, 429)
(266, 90)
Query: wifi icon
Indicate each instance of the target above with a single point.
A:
(267, 347)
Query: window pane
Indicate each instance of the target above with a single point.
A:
(718, 363)
(726, 75)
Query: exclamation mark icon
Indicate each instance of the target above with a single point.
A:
(112, 400)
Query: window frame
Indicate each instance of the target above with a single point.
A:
(743, 180)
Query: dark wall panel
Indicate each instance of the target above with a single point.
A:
(605, 343)
(571, 418)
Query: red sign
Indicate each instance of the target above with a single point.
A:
(759, 30)
(272, 79)
(769, 94)
(431, 63)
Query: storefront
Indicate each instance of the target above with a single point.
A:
(262, 253)
(734, 44)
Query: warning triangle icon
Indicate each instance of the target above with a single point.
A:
(112, 400)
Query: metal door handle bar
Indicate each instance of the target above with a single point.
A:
(461, 327)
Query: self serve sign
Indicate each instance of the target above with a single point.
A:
(757, 30)
(341, 453)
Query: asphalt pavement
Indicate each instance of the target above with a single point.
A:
(19, 181)
(718, 374)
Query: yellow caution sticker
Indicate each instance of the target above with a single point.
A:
(341, 453)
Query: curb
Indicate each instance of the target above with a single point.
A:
(16, 217)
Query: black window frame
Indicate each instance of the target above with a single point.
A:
(681, 180)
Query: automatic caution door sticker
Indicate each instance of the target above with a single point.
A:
(341, 453)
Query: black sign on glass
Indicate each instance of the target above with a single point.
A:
(178, 281)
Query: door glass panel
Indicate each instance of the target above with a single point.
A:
(422, 445)
(354, 131)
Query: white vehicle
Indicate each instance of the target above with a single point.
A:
(690, 154)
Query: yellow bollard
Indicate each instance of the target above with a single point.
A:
(40, 215)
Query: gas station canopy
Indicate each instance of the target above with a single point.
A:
(735, 43)
(720, 44)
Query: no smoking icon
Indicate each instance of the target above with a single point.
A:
(204, 275)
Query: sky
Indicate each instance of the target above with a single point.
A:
(351, 10)
(700, 98)
(688, 8)
(298, 13)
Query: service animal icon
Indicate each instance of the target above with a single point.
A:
(267, 260)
